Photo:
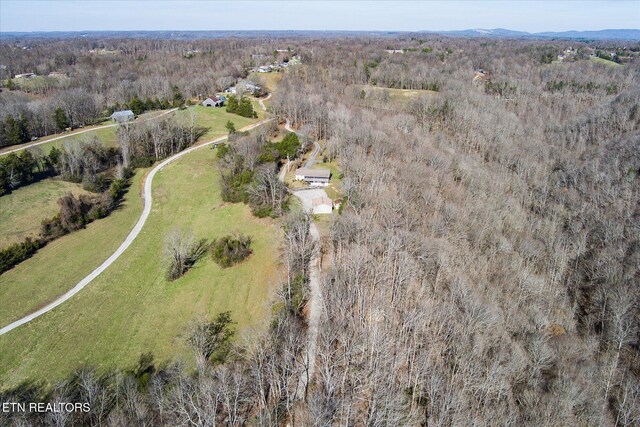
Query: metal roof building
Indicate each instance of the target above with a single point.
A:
(123, 116)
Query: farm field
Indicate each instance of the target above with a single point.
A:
(398, 95)
(22, 210)
(39, 83)
(122, 304)
(21, 282)
(62, 263)
(132, 308)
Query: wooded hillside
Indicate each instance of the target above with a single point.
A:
(485, 267)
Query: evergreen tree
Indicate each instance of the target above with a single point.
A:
(137, 106)
(16, 130)
(178, 99)
(62, 122)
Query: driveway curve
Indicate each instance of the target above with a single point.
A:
(129, 239)
(264, 108)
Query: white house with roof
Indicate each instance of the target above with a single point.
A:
(320, 177)
(123, 116)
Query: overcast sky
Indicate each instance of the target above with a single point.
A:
(532, 16)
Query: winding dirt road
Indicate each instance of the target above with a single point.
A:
(128, 241)
(264, 108)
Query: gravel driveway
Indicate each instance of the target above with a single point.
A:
(306, 196)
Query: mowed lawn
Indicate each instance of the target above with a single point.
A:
(22, 211)
(41, 279)
(61, 264)
(216, 119)
(131, 308)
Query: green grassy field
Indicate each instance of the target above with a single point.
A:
(606, 62)
(401, 96)
(22, 210)
(131, 308)
(40, 83)
(216, 118)
(64, 262)
(40, 279)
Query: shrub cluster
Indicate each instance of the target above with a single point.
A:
(230, 250)
(18, 252)
(241, 107)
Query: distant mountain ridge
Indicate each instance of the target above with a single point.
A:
(610, 34)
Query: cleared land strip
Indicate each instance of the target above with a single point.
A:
(46, 141)
(129, 239)
(316, 302)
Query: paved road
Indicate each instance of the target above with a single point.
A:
(312, 159)
(46, 141)
(127, 242)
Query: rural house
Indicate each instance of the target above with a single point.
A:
(123, 116)
(314, 176)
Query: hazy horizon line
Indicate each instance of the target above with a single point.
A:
(313, 30)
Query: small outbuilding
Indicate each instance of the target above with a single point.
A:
(322, 205)
(314, 176)
(123, 116)
(213, 101)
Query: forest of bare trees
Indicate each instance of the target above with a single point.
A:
(485, 268)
